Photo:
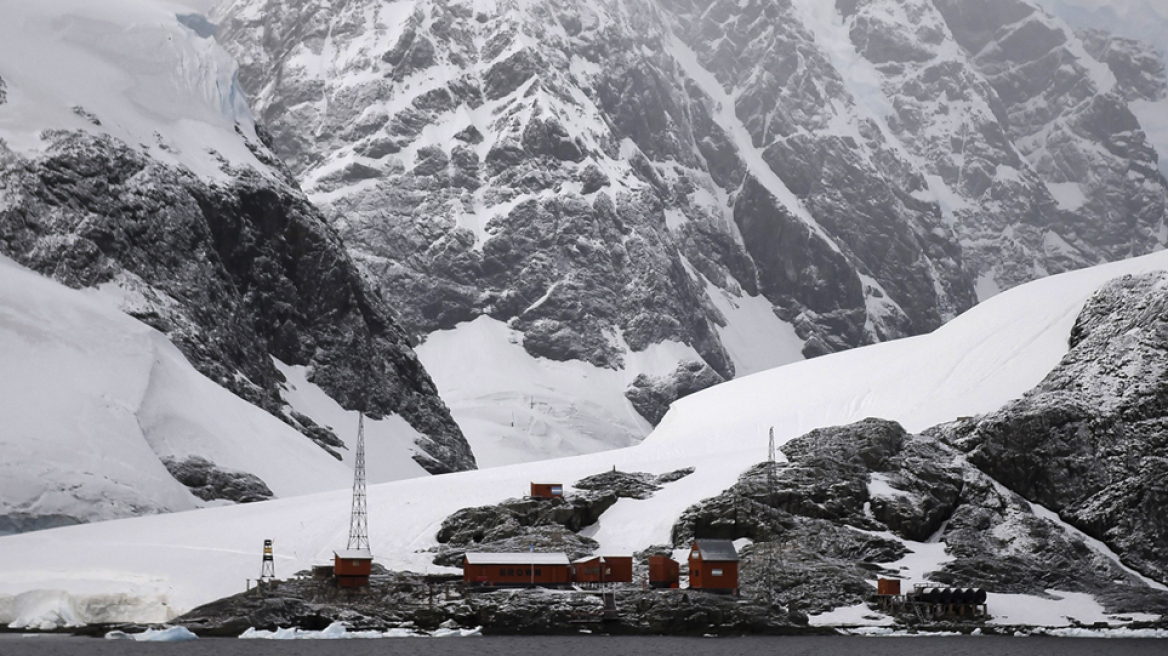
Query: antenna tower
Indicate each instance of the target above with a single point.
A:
(770, 559)
(359, 521)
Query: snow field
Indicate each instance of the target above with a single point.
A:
(148, 79)
(92, 399)
(981, 360)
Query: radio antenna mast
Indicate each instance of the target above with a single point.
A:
(359, 521)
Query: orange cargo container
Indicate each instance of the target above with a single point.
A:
(888, 586)
(664, 572)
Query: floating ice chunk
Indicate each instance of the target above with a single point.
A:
(169, 634)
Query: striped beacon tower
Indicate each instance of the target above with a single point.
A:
(268, 568)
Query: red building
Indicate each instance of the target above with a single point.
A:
(713, 566)
(603, 569)
(352, 567)
(664, 572)
(547, 490)
(516, 570)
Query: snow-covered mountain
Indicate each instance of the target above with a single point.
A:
(641, 199)
(131, 166)
(151, 567)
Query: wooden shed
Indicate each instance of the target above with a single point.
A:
(664, 572)
(713, 566)
(352, 567)
(603, 569)
(547, 490)
(516, 570)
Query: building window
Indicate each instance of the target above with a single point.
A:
(502, 572)
(715, 572)
(537, 572)
(510, 571)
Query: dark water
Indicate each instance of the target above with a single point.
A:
(14, 645)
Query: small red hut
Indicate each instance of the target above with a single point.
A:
(516, 570)
(603, 569)
(547, 490)
(352, 567)
(713, 566)
(664, 572)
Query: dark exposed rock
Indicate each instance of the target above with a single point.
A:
(1089, 441)
(625, 485)
(675, 475)
(209, 482)
(652, 395)
(1138, 69)
(593, 180)
(87, 115)
(234, 273)
(520, 524)
(822, 512)
(3, 91)
(407, 600)
(470, 134)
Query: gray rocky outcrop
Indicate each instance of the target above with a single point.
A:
(411, 601)
(210, 482)
(234, 273)
(1088, 442)
(823, 514)
(516, 525)
(652, 395)
(626, 485)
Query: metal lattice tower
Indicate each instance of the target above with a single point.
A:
(772, 483)
(771, 564)
(359, 521)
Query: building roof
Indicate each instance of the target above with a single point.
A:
(354, 554)
(516, 558)
(602, 559)
(717, 550)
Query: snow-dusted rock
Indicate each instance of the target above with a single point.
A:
(1088, 442)
(130, 165)
(609, 176)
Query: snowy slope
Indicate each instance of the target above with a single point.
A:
(984, 358)
(147, 73)
(92, 399)
(130, 166)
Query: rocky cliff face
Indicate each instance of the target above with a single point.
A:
(1088, 442)
(203, 236)
(606, 177)
(1065, 113)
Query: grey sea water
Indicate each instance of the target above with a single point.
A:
(15, 645)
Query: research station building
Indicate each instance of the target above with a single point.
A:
(713, 566)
